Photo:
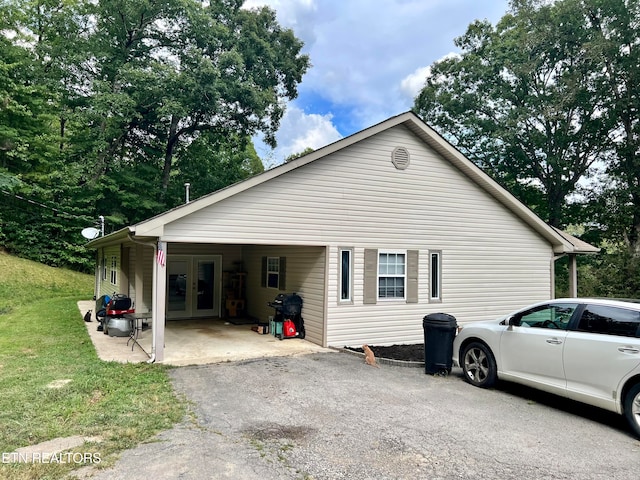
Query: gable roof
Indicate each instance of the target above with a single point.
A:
(561, 242)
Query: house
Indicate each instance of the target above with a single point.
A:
(373, 231)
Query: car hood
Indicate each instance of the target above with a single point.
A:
(495, 321)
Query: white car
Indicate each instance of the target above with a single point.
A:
(584, 349)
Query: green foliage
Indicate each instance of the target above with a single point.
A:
(614, 273)
(293, 156)
(613, 33)
(108, 108)
(213, 162)
(43, 234)
(519, 101)
(27, 141)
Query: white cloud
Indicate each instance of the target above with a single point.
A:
(369, 58)
(411, 85)
(298, 131)
(307, 131)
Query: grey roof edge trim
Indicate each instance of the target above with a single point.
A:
(580, 246)
(111, 239)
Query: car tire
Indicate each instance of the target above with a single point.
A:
(478, 365)
(632, 408)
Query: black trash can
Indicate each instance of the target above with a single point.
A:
(439, 332)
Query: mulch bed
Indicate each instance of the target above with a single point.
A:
(407, 353)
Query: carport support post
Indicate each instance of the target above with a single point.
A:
(573, 276)
(159, 301)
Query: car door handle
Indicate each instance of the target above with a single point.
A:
(554, 341)
(628, 350)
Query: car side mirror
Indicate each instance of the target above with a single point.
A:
(514, 321)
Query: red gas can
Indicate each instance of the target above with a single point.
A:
(288, 328)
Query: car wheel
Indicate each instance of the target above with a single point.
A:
(632, 408)
(478, 365)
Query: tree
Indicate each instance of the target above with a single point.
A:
(107, 108)
(304, 152)
(613, 28)
(27, 140)
(166, 72)
(521, 102)
(212, 162)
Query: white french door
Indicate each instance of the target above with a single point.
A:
(193, 286)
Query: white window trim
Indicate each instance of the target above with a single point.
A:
(437, 298)
(404, 276)
(272, 272)
(103, 267)
(114, 270)
(349, 299)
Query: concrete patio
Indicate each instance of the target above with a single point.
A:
(195, 342)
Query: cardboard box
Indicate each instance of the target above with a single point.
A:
(263, 328)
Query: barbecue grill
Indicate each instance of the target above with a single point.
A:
(288, 311)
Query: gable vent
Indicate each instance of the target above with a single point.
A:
(400, 158)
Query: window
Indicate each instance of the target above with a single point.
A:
(435, 275)
(103, 267)
(273, 272)
(554, 316)
(391, 275)
(346, 269)
(610, 321)
(114, 270)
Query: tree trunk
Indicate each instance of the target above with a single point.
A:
(172, 139)
(63, 122)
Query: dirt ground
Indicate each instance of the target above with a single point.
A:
(407, 353)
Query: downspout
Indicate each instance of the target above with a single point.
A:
(153, 245)
(100, 260)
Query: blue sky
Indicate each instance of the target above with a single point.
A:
(369, 59)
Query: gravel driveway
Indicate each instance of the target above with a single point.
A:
(330, 416)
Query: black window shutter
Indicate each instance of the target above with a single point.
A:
(263, 278)
(283, 274)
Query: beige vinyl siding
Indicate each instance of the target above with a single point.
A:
(230, 253)
(106, 287)
(492, 262)
(305, 276)
(136, 299)
(472, 290)
(142, 300)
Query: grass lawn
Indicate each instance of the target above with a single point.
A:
(43, 339)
